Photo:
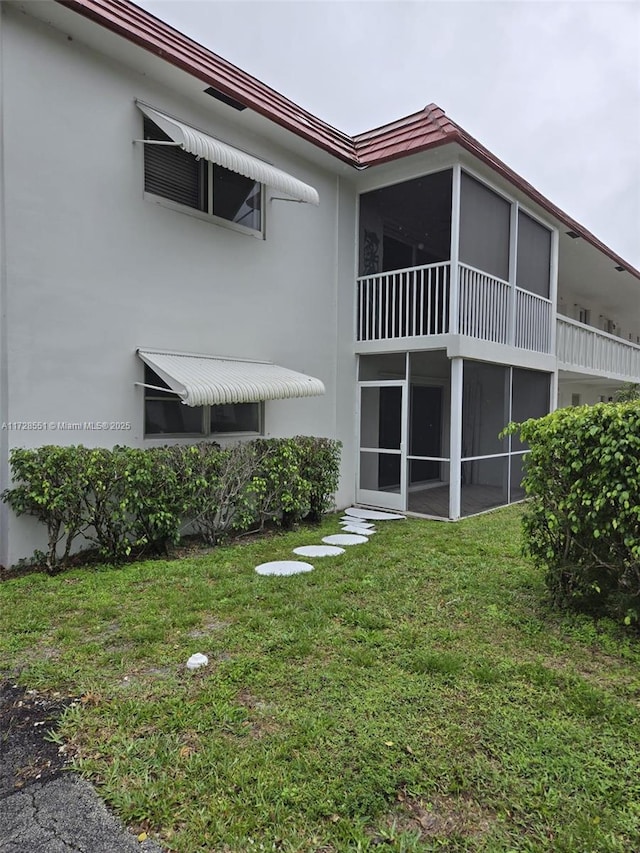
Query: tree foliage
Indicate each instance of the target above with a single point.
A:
(583, 522)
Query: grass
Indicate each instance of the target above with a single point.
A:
(411, 695)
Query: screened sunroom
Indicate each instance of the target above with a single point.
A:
(430, 432)
(455, 339)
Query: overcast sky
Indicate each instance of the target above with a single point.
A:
(552, 88)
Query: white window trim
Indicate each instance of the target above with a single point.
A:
(206, 216)
(206, 434)
(210, 217)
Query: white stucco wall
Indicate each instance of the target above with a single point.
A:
(588, 393)
(94, 271)
(91, 270)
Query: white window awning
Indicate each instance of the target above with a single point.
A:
(206, 380)
(208, 148)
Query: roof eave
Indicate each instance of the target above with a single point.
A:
(153, 35)
(459, 136)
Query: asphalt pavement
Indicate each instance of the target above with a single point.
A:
(44, 807)
(63, 815)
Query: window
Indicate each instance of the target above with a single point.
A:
(165, 414)
(584, 315)
(176, 175)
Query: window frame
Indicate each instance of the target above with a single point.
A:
(155, 394)
(204, 215)
(584, 315)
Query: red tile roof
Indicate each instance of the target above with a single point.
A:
(417, 132)
(409, 135)
(431, 127)
(144, 29)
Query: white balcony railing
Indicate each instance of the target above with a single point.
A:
(404, 303)
(585, 348)
(415, 302)
(484, 306)
(534, 316)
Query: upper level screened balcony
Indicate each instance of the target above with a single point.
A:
(446, 255)
(416, 302)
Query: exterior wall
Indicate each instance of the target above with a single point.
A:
(588, 393)
(94, 271)
(4, 361)
(625, 323)
(90, 270)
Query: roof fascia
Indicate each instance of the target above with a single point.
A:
(150, 33)
(153, 35)
(483, 154)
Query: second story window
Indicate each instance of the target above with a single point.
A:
(182, 178)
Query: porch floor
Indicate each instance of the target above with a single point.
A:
(474, 498)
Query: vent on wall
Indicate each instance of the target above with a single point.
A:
(220, 96)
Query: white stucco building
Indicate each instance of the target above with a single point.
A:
(169, 223)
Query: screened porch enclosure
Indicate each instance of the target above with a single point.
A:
(404, 433)
(430, 432)
(445, 254)
(405, 251)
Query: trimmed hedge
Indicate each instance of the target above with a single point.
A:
(583, 522)
(131, 499)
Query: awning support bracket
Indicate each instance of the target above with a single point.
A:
(155, 388)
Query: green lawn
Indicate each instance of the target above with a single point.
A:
(412, 695)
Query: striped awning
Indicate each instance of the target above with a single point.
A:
(208, 148)
(207, 380)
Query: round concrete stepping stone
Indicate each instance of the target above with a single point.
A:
(318, 551)
(344, 539)
(351, 519)
(355, 528)
(283, 567)
(374, 514)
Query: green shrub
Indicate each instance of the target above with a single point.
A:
(50, 486)
(319, 462)
(116, 500)
(280, 489)
(129, 499)
(161, 498)
(629, 391)
(132, 500)
(217, 484)
(583, 522)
